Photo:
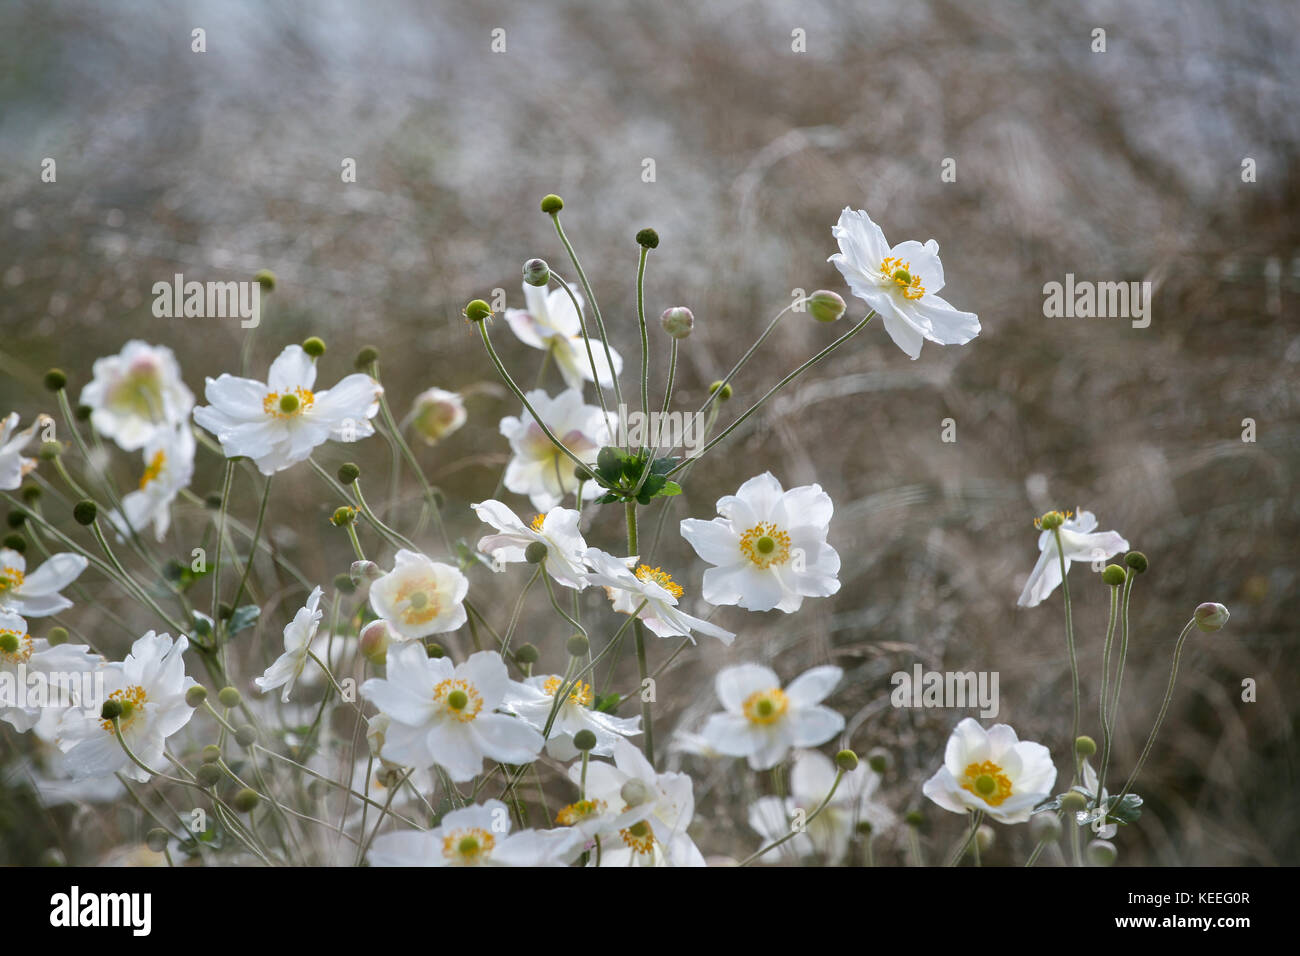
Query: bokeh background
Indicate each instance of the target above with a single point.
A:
(1123, 165)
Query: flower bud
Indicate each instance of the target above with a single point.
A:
(245, 800)
(348, 473)
(56, 380)
(15, 542)
(376, 729)
(57, 636)
(878, 759)
(16, 519)
(846, 760)
(1101, 853)
(229, 697)
(1085, 746)
(984, 837)
(677, 321)
(266, 279)
(1211, 617)
(374, 642)
(577, 645)
(156, 839)
(648, 239)
(537, 272)
(527, 654)
(196, 695)
(84, 511)
(536, 552)
(551, 204)
(724, 391)
(634, 793)
(314, 346)
(826, 306)
(82, 413)
(367, 357)
(436, 413)
(246, 735)
(208, 775)
(1136, 560)
(343, 515)
(584, 740)
(344, 584)
(914, 818)
(1114, 575)
(435, 651)
(864, 827)
(477, 310)
(1044, 828)
(49, 451)
(1073, 802)
(365, 571)
(31, 493)
(111, 710)
(211, 753)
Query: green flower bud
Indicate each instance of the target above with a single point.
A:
(527, 654)
(57, 636)
(212, 501)
(367, 357)
(577, 645)
(266, 279)
(1114, 575)
(725, 392)
(1136, 560)
(82, 413)
(634, 793)
(914, 818)
(582, 473)
(551, 204)
(211, 753)
(1211, 617)
(49, 451)
(1073, 802)
(56, 380)
(15, 519)
(537, 272)
(196, 695)
(246, 735)
(229, 697)
(156, 839)
(1085, 746)
(348, 473)
(373, 641)
(477, 310)
(111, 710)
(1051, 521)
(208, 775)
(435, 651)
(245, 800)
(84, 511)
(31, 493)
(826, 306)
(846, 760)
(343, 515)
(648, 239)
(677, 321)
(15, 542)
(864, 827)
(1101, 853)
(344, 584)
(878, 759)
(584, 740)
(535, 553)
(1044, 827)
(314, 346)
(8, 643)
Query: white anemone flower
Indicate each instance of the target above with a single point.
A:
(828, 834)
(762, 722)
(150, 685)
(444, 714)
(279, 423)
(22, 658)
(768, 547)
(437, 413)
(168, 469)
(37, 594)
(420, 596)
(135, 392)
(1080, 541)
(14, 466)
(901, 283)
(627, 589)
(533, 700)
(551, 323)
(476, 836)
(1096, 817)
(540, 470)
(993, 771)
(557, 530)
(298, 635)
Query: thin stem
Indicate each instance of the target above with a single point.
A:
(645, 340)
(1069, 643)
(252, 548)
(647, 711)
(595, 308)
(964, 845)
(1105, 692)
(839, 775)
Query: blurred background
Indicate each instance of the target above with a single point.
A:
(1115, 166)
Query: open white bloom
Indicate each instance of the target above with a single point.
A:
(539, 469)
(901, 283)
(135, 392)
(279, 423)
(37, 594)
(643, 815)
(168, 469)
(768, 547)
(444, 714)
(763, 722)
(26, 662)
(1096, 817)
(1079, 542)
(298, 635)
(557, 530)
(476, 836)
(14, 467)
(828, 834)
(654, 586)
(420, 596)
(991, 770)
(150, 684)
(436, 413)
(550, 322)
(533, 699)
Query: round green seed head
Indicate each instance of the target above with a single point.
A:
(1136, 560)
(156, 839)
(15, 542)
(1073, 802)
(229, 697)
(367, 357)
(577, 645)
(314, 346)
(84, 511)
(864, 827)
(111, 710)
(846, 760)
(584, 740)
(245, 800)
(212, 501)
(725, 390)
(535, 553)
(1114, 575)
(878, 759)
(211, 753)
(208, 775)
(551, 204)
(31, 493)
(266, 279)
(537, 272)
(1101, 853)
(344, 584)
(477, 310)
(16, 518)
(648, 239)
(82, 413)
(56, 380)
(57, 636)
(348, 472)
(1051, 520)
(343, 515)
(914, 818)
(582, 473)
(246, 735)
(8, 643)
(196, 695)
(49, 451)
(1085, 746)
(527, 654)
(435, 651)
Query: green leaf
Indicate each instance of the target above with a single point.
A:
(607, 703)
(1127, 810)
(662, 466)
(242, 618)
(669, 489)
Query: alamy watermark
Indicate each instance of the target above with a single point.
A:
(208, 300)
(922, 688)
(1098, 300)
(660, 429)
(26, 689)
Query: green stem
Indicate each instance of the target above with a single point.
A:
(839, 775)
(647, 711)
(1069, 643)
(595, 308)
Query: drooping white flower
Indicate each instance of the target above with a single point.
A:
(298, 635)
(1095, 817)
(533, 699)
(551, 323)
(540, 470)
(901, 283)
(444, 714)
(768, 546)
(557, 530)
(476, 836)
(22, 659)
(135, 392)
(828, 834)
(37, 594)
(653, 586)
(14, 467)
(436, 413)
(150, 684)
(993, 771)
(169, 467)
(1079, 542)
(762, 722)
(277, 424)
(420, 596)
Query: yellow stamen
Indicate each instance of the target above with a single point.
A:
(987, 781)
(421, 598)
(10, 580)
(469, 846)
(455, 691)
(21, 643)
(900, 273)
(537, 523)
(766, 706)
(154, 469)
(660, 577)
(275, 404)
(639, 837)
(580, 694)
(581, 810)
(766, 545)
(131, 699)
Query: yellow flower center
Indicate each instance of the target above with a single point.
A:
(421, 598)
(766, 545)
(15, 647)
(154, 468)
(766, 706)
(1053, 519)
(131, 699)
(11, 579)
(537, 523)
(580, 694)
(639, 837)
(468, 847)
(288, 404)
(460, 698)
(661, 578)
(900, 273)
(987, 781)
(581, 810)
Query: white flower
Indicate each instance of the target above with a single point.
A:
(476, 836)
(763, 722)
(532, 701)
(23, 656)
(539, 469)
(279, 423)
(13, 466)
(420, 596)
(151, 686)
(134, 392)
(298, 635)
(37, 594)
(550, 322)
(643, 814)
(993, 771)
(168, 469)
(900, 282)
(444, 714)
(829, 833)
(654, 586)
(1079, 543)
(436, 413)
(769, 546)
(557, 530)
(1095, 817)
